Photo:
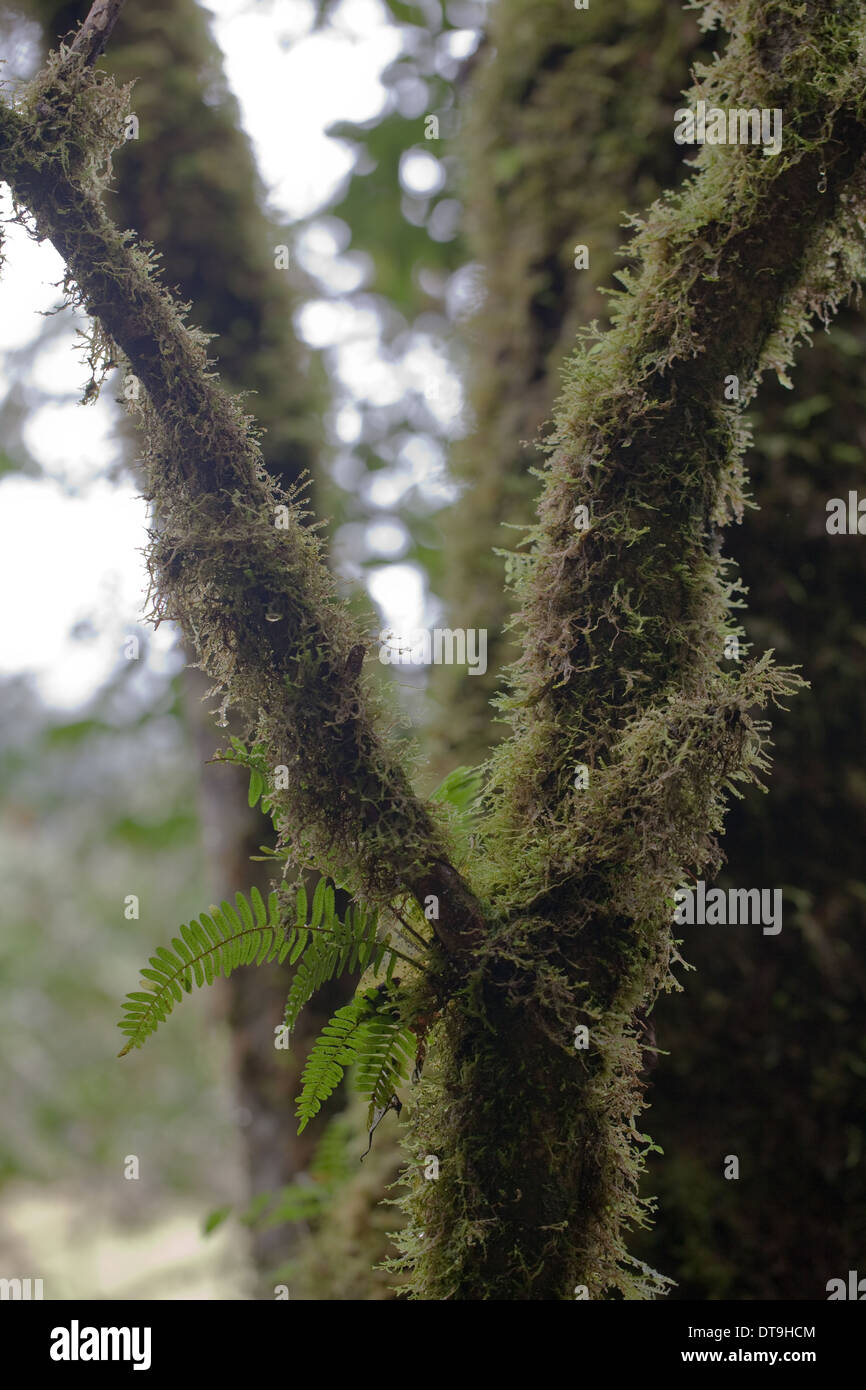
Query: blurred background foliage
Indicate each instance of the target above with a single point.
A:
(95, 809)
(453, 273)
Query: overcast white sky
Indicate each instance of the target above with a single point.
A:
(71, 542)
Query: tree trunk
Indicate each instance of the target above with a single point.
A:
(566, 124)
(569, 105)
(622, 683)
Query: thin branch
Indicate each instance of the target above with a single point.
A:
(92, 37)
(410, 929)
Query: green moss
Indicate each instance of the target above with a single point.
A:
(565, 124)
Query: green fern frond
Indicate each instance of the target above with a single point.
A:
(339, 946)
(368, 1032)
(268, 855)
(330, 1165)
(218, 942)
(255, 761)
(461, 790)
(221, 940)
(387, 1055)
(329, 1169)
(334, 1049)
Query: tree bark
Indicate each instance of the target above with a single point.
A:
(565, 124)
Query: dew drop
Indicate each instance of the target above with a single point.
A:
(273, 617)
(822, 181)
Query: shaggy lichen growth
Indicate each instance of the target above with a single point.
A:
(558, 135)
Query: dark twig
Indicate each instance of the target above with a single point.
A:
(92, 37)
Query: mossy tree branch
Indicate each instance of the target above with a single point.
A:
(623, 672)
(257, 601)
(559, 134)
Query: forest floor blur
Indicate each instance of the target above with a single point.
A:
(74, 1243)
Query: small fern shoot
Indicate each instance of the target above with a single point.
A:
(368, 1033)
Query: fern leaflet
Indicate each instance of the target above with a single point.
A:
(218, 942)
(340, 946)
(222, 939)
(367, 1031)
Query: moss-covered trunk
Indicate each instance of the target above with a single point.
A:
(629, 727)
(554, 146)
(565, 123)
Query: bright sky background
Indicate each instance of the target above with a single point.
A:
(71, 541)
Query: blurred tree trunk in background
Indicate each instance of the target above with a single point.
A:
(189, 184)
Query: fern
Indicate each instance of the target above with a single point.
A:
(349, 945)
(462, 790)
(367, 1031)
(328, 1170)
(218, 942)
(222, 939)
(333, 1051)
(384, 1062)
(255, 761)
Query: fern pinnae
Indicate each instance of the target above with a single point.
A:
(333, 1051)
(328, 955)
(337, 946)
(318, 904)
(369, 1033)
(218, 941)
(323, 947)
(385, 1062)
